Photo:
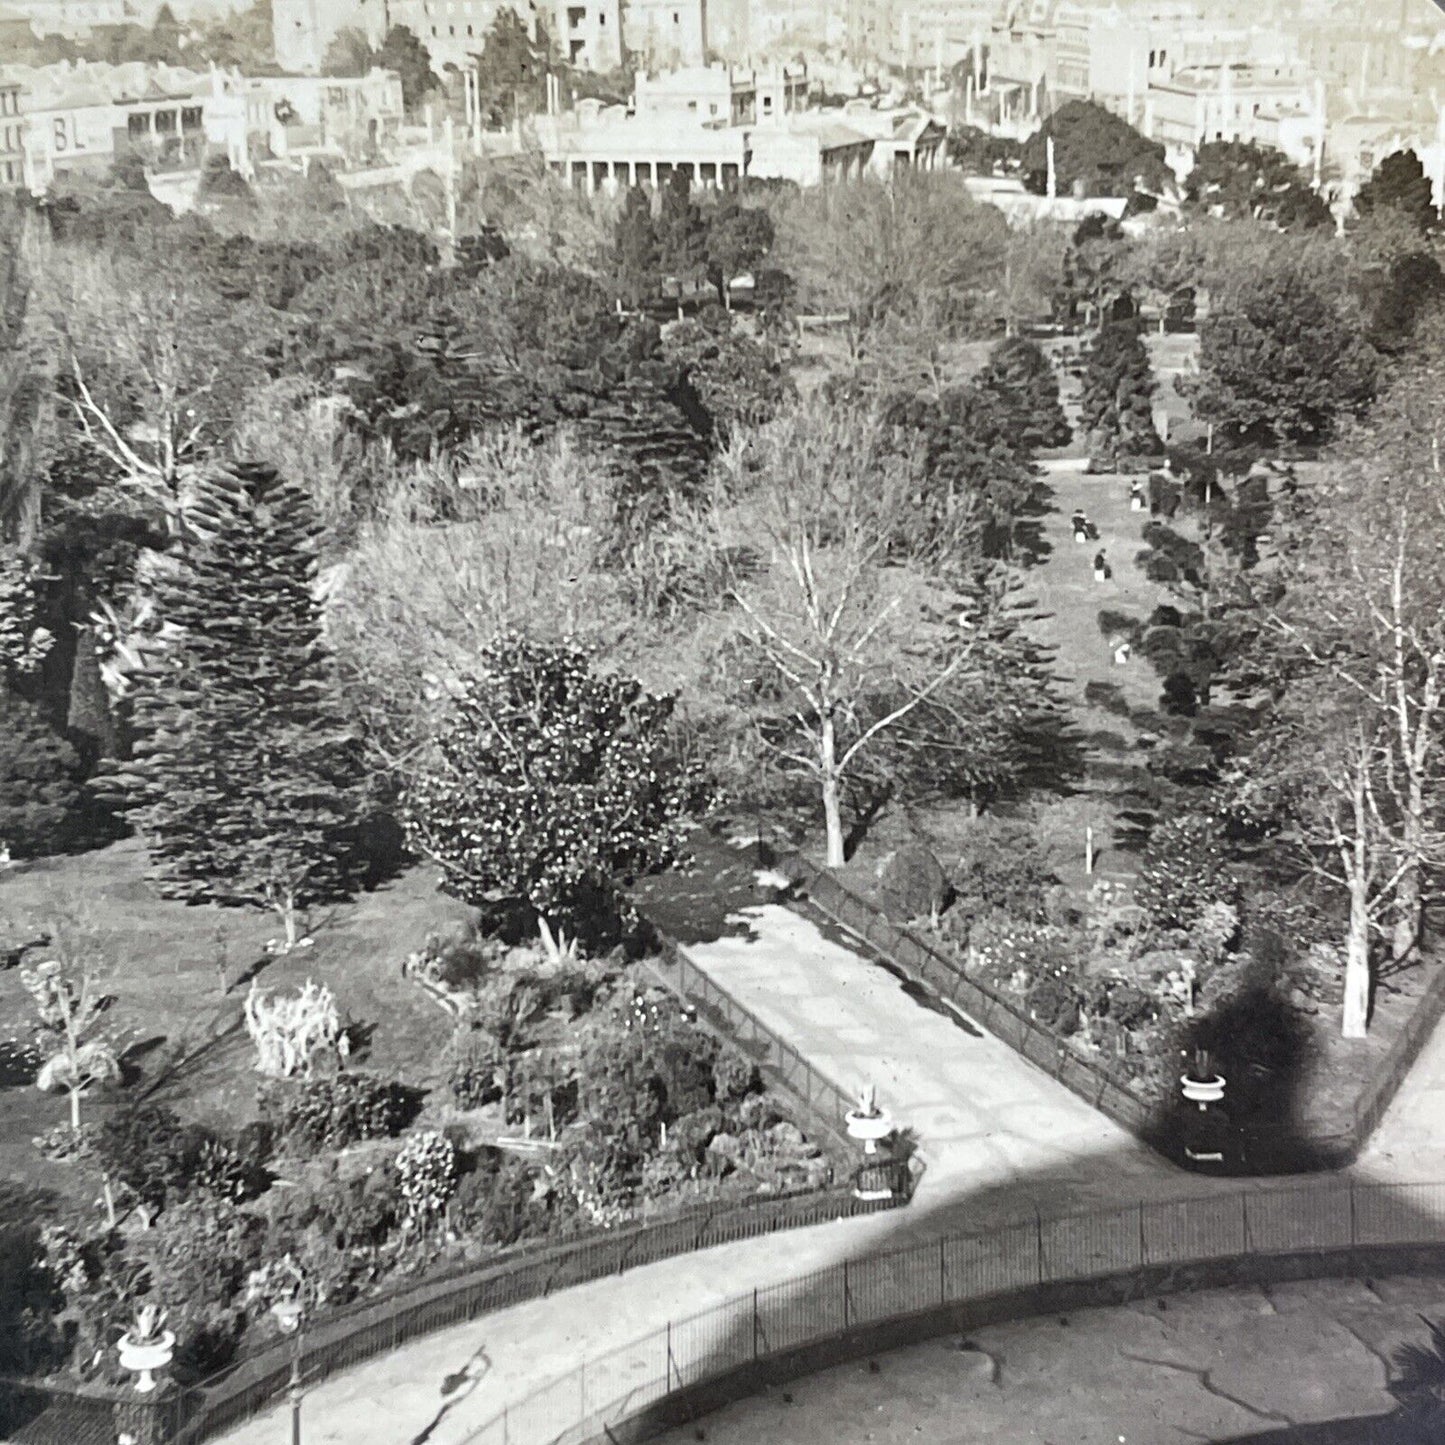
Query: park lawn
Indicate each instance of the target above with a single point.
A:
(185, 1037)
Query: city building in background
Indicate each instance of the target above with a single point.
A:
(74, 18)
(14, 174)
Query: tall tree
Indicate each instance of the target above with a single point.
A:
(637, 259)
(25, 399)
(681, 234)
(512, 70)
(1115, 408)
(1280, 359)
(551, 786)
(1399, 183)
(846, 644)
(349, 53)
(921, 250)
(1364, 603)
(246, 784)
(1095, 152)
(1242, 181)
(402, 52)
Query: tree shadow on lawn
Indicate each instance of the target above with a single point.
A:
(709, 900)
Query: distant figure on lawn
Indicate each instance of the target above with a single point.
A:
(1102, 570)
(1080, 524)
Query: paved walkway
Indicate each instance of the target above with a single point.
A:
(1001, 1139)
(1220, 1365)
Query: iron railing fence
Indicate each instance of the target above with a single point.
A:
(1321, 1219)
(59, 1412)
(822, 1099)
(1278, 1146)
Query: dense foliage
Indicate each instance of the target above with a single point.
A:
(246, 780)
(552, 785)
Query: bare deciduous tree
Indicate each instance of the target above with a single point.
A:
(806, 525)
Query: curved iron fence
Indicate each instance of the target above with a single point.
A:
(891, 1298)
(49, 1412)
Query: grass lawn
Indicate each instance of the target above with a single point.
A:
(185, 1037)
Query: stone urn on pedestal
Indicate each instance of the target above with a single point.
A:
(1206, 1138)
(870, 1125)
(147, 1347)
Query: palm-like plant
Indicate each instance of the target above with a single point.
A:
(1419, 1386)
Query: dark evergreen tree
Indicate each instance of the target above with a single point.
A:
(979, 480)
(681, 234)
(402, 52)
(1280, 358)
(1411, 286)
(1241, 181)
(654, 426)
(1115, 408)
(1095, 151)
(1019, 375)
(552, 786)
(246, 782)
(637, 255)
(1400, 182)
(511, 69)
(40, 796)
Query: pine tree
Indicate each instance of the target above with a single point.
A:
(1114, 406)
(1019, 375)
(246, 783)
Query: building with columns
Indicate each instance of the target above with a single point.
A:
(14, 173)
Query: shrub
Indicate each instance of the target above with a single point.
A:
(426, 1167)
(1185, 869)
(1054, 1002)
(147, 1149)
(342, 1214)
(734, 1077)
(692, 1133)
(1003, 869)
(40, 794)
(314, 1115)
(140, 1146)
(475, 1068)
(496, 1201)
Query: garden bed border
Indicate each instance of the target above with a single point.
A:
(1098, 1085)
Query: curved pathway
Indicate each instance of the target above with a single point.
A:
(1001, 1138)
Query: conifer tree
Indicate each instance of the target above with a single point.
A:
(1019, 375)
(635, 239)
(246, 783)
(1114, 407)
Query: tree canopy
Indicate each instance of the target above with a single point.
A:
(1096, 153)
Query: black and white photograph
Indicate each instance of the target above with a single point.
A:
(722, 721)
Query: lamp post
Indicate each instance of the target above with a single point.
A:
(290, 1314)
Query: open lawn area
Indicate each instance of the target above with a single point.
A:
(183, 1035)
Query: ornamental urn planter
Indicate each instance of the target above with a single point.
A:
(868, 1129)
(1202, 1091)
(144, 1357)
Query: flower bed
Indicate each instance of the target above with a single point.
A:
(1095, 981)
(575, 1097)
